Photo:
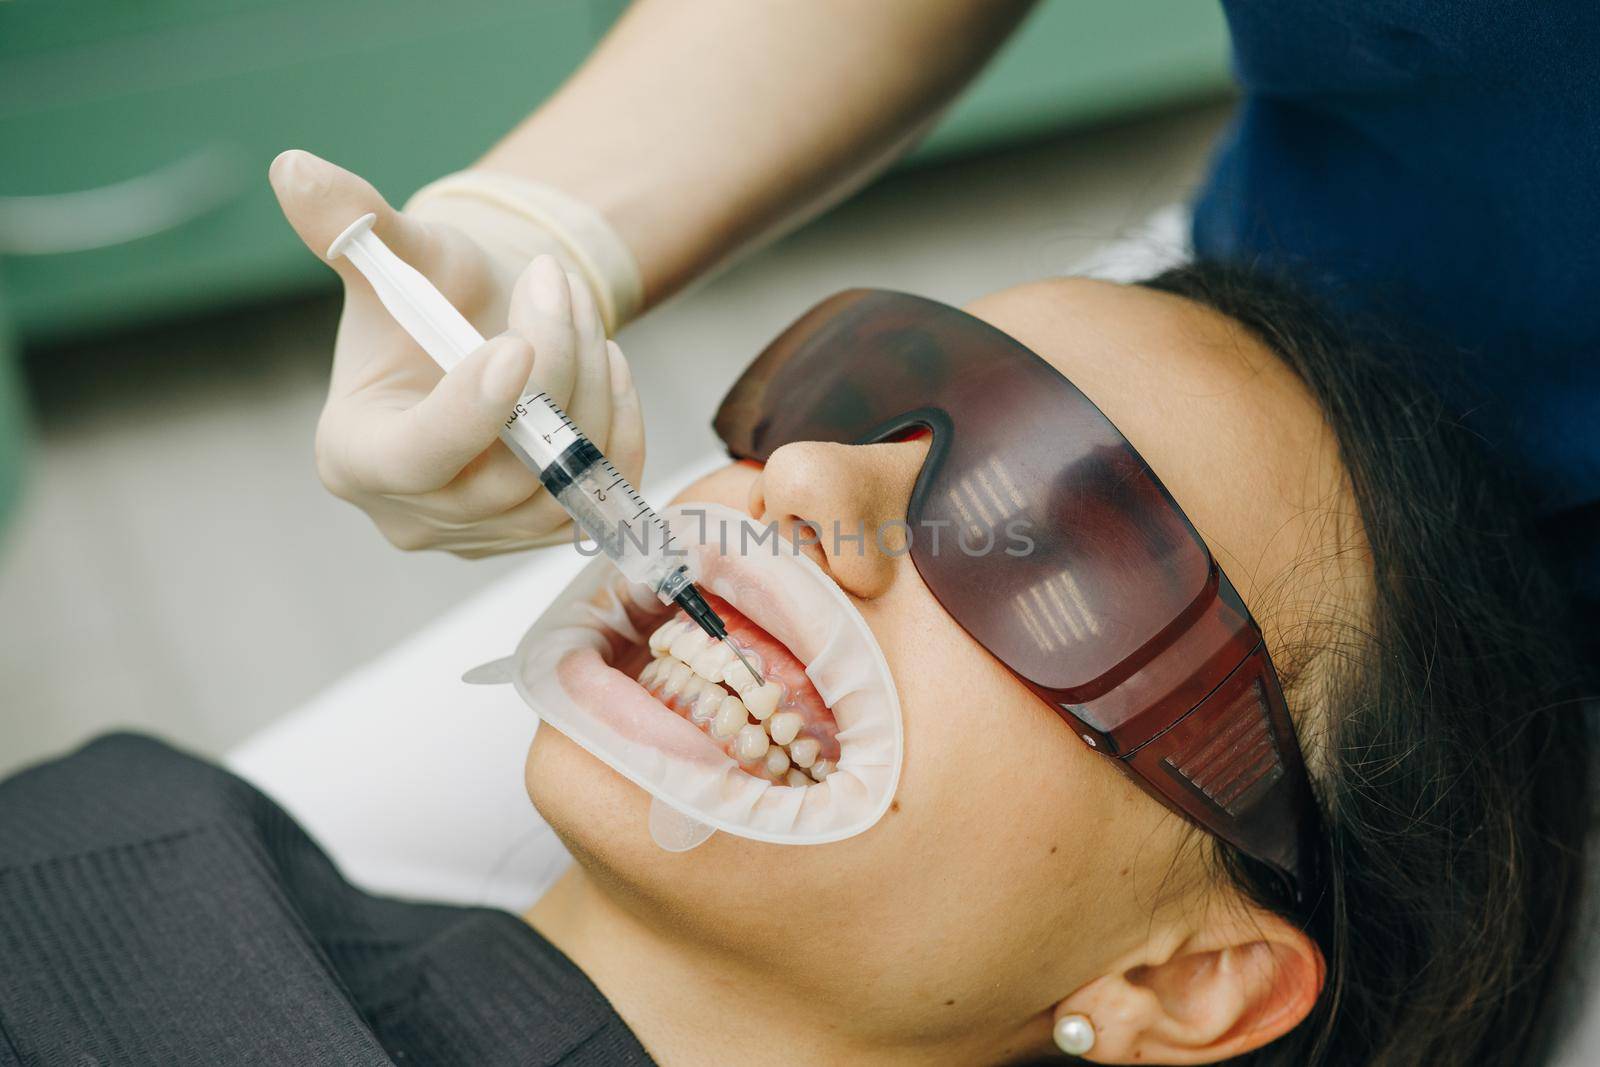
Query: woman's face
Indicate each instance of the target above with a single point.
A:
(1015, 864)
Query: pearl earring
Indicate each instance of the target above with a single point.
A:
(1074, 1034)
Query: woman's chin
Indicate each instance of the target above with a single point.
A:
(603, 820)
(594, 810)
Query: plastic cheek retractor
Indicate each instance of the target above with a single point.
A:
(565, 668)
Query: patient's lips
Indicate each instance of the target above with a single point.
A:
(780, 729)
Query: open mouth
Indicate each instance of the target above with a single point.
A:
(781, 729)
(811, 754)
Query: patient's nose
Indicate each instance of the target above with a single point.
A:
(845, 505)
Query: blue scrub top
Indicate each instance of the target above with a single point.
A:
(1437, 163)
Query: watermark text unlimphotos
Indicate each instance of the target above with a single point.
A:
(893, 538)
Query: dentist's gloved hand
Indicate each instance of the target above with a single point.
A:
(418, 450)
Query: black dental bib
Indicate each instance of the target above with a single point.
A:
(155, 909)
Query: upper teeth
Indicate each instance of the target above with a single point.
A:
(690, 643)
(687, 667)
(661, 640)
(738, 675)
(709, 663)
(683, 641)
(762, 700)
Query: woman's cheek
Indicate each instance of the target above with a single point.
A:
(957, 705)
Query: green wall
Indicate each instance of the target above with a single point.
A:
(160, 117)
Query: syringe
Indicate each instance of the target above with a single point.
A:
(539, 433)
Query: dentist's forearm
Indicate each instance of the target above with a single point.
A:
(699, 127)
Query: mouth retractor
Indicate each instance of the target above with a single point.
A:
(826, 687)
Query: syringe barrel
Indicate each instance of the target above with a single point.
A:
(607, 508)
(600, 500)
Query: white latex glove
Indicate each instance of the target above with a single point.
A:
(418, 450)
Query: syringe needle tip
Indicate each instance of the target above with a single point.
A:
(740, 656)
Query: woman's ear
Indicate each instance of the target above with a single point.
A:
(1243, 978)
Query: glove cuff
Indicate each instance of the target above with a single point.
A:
(524, 217)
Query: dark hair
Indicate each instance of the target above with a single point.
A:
(1452, 771)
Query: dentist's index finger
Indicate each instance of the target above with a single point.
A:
(541, 312)
(590, 403)
(625, 447)
(406, 451)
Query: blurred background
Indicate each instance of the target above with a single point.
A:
(168, 560)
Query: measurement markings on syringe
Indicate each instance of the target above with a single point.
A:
(559, 434)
